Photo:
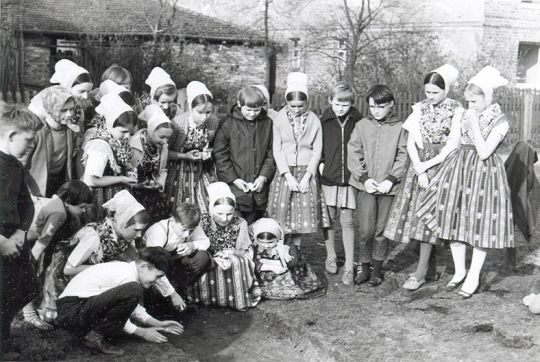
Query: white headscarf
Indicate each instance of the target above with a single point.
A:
(111, 107)
(297, 82)
(157, 78)
(124, 206)
(108, 86)
(216, 191)
(154, 117)
(65, 73)
(488, 79)
(195, 89)
(450, 75)
(268, 225)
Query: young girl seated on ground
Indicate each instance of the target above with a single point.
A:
(232, 282)
(56, 222)
(280, 269)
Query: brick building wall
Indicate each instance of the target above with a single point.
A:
(506, 24)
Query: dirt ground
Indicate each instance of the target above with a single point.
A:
(385, 323)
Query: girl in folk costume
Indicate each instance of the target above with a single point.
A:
(163, 92)
(232, 282)
(51, 161)
(429, 128)
(280, 269)
(106, 87)
(112, 238)
(191, 168)
(107, 154)
(468, 199)
(149, 156)
(55, 224)
(296, 200)
(79, 82)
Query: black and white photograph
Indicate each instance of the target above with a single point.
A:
(269, 180)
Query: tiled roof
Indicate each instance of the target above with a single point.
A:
(137, 17)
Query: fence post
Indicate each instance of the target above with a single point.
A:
(526, 128)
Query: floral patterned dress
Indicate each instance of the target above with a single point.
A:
(298, 282)
(187, 180)
(149, 170)
(103, 147)
(468, 199)
(433, 123)
(232, 283)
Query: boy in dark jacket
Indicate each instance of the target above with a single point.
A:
(17, 131)
(376, 157)
(243, 153)
(338, 123)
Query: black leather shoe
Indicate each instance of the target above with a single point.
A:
(95, 342)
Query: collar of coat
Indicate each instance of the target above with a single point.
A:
(329, 115)
(390, 119)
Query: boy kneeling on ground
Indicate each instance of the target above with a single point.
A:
(99, 301)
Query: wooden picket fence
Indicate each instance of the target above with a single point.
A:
(522, 106)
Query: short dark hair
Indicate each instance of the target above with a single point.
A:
(381, 94)
(296, 96)
(82, 78)
(75, 192)
(128, 98)
(343, 92)
(435, 79)
(141, 218)
(251, 96)
(18, 119)
(188, 215)
(127, 119)
(156, 256)
(167, 89)
(201, 99)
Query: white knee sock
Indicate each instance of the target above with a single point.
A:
(330, 243)
(458, 254)
(473, 276)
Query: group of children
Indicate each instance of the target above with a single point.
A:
(138, 204)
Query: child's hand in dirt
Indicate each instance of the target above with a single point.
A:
(172, 327)
(177, 301)
(151, 334)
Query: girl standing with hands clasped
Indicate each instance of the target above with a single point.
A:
(468, 200)
(296, 199)
(191, 168)
(429, 128)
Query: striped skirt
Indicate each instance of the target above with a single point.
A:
(101, 196)
(402, 224)
(187, 182)
(298, 213)
(468, 200)
(235, 288)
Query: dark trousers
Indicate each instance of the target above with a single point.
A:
(19, 286)
(252, 215)
(373, 210)
(182, 274)
(105, 313)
